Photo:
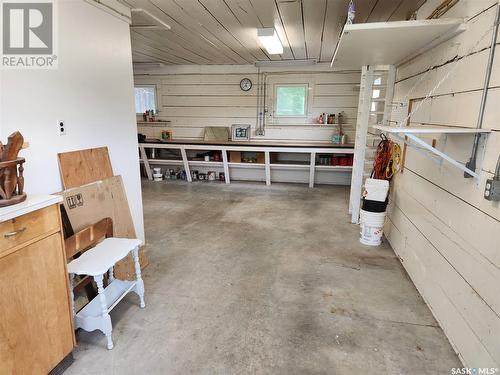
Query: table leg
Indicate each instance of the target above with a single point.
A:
(139, 287)
(111, 275)
(106, 326)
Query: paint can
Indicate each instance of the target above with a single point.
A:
(211, 175)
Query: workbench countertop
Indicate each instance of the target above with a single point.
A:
(249, 143)
(32, 203)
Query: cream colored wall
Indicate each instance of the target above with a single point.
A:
(446, 234)
(193, 97)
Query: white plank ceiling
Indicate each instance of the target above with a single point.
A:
(224, 31)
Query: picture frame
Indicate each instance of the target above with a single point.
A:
(240, 132)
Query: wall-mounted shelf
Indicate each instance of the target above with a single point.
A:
(407, 134)
(246, 165)
(391, 43)
(425, 129)
(203, 163)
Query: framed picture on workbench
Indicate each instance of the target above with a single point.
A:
(240, 132)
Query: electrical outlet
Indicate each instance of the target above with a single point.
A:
(492, 190)
(61, 127)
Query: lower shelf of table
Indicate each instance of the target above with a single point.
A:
(114, 293)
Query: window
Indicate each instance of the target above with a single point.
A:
(291, 100)
(145, 98)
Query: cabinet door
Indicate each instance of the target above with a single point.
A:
(36, 330)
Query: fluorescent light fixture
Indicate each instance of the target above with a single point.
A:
(147, 65)
(270, 40)
(278, 63)
(152, 16)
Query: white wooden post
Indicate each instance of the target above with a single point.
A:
(389, 94)
(312, 169)
(226, 166)
(146, 162)
(186, 165)
(358, 168)
(267, 158)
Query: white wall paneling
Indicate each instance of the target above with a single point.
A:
(193, 98)
(444, 231)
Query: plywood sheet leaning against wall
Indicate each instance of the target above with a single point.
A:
(84, 166)
(446, 234)
(90, 203)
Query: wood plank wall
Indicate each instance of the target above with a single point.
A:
(446, 234)
(192, 101)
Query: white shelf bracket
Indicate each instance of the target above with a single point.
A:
(441, 154)
(421, 151)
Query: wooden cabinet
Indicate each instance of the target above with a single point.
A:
(36, 328)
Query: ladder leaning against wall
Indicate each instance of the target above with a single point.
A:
(374, 108)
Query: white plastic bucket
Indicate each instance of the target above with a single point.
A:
(372, 227)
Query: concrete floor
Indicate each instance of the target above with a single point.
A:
(245, 279)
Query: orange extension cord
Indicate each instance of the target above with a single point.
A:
(387, 159)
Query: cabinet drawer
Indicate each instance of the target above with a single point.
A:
(26, 227)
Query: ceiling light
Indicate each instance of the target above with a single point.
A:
(270, 40)
(147, 65)
(152, 16)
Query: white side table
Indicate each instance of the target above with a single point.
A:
(97, 262)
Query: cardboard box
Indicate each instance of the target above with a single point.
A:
(234, 156)
(87, 204)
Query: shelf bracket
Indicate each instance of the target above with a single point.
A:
(435, 151)
(422, 152)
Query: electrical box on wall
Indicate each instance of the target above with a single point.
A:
(61, 127)
(492, 190)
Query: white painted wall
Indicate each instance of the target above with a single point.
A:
(446, 234)
(92, 90)
(193, 97)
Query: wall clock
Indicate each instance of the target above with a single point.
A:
(245, 84)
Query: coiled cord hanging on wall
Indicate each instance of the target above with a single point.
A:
(387, 159)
